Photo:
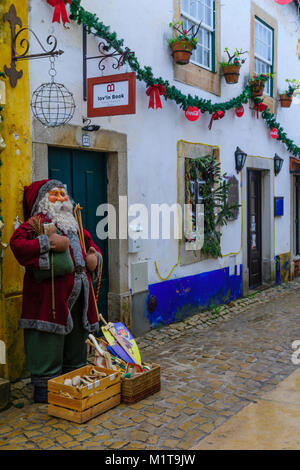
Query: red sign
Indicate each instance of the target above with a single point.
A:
(274, 133)
(111, 95)
(192, 113)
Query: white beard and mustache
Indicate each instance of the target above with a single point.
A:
(60, 213)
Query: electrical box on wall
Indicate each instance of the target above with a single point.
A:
(139, 277)
(134, 239)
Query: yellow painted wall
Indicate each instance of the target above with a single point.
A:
(15, 173)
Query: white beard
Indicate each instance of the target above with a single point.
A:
(60, 213)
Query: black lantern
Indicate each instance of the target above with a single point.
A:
(278, 162)
(240, 159)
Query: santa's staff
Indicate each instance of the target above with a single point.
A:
(77, 214)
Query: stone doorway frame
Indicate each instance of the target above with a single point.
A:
(266, 166)
(114, 145)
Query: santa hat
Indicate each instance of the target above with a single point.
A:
(35, 192)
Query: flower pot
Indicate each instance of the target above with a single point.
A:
(182, 51)
(231, 73)
(286, 100)
(257, 88)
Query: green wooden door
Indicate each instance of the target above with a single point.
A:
(84, 173)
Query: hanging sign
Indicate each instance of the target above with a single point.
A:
(111, 95)
(192, 113)
(274, 133)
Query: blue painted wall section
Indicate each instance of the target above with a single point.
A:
(179, 298)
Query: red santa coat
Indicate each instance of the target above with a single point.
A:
(37, 297)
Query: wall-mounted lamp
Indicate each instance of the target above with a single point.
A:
(89, 127)
(278, 162)
(240, 159)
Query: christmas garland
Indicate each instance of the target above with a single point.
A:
(96, 27)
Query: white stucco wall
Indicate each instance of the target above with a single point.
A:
(153, 135)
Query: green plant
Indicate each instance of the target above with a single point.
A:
(214, 193)
(235, 58)
(261, 77)
(184, 34)
(294, 85)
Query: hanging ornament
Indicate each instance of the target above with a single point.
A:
(192, 113)
(274, 133)
(154, 92)
(259, 108)
(240, 111)
(52, 104)
(59, 10)
(217, 115)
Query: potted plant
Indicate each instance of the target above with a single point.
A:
(257, 83)
(231, 68)
(286, 98)
(183, 44)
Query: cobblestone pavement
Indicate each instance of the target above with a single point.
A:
(213, 364)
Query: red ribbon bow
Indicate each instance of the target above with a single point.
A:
(154, 91)
(217, 115)
(259, 108)
(60, 10)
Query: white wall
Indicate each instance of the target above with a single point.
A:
(153, 135)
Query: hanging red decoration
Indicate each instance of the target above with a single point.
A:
(59, 10)
(274, 133)
(283, 2)
(259, 108)
(240, 111)
(154, 92)
(192, 113)
(217, 115)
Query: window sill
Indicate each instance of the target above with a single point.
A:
(199, 77)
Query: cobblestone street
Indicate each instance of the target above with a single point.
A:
(213, 365)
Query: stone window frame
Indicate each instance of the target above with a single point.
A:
(191, 150)
(259, 13)
(195, 75)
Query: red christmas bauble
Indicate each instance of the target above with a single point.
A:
(239, 111)
(274, 133)
(192, 113)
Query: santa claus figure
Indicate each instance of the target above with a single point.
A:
(59, 309)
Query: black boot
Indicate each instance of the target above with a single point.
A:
(40, 394)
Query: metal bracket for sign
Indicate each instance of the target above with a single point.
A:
(23, 43)
(119, 58)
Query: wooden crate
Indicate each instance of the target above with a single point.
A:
(92, 400)
(141, 386)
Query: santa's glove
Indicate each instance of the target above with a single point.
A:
(58, 243)
(91, 260)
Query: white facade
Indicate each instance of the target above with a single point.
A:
(153, 135)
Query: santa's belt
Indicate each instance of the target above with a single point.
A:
(80, 269)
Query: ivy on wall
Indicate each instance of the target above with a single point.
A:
(145, 74)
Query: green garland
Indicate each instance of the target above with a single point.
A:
(96, 27)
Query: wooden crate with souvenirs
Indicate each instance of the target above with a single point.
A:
(119, 351)
(140, 385)
(83, 394)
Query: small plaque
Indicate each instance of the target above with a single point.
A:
(86, 141)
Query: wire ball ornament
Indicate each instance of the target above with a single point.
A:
(52, 103)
